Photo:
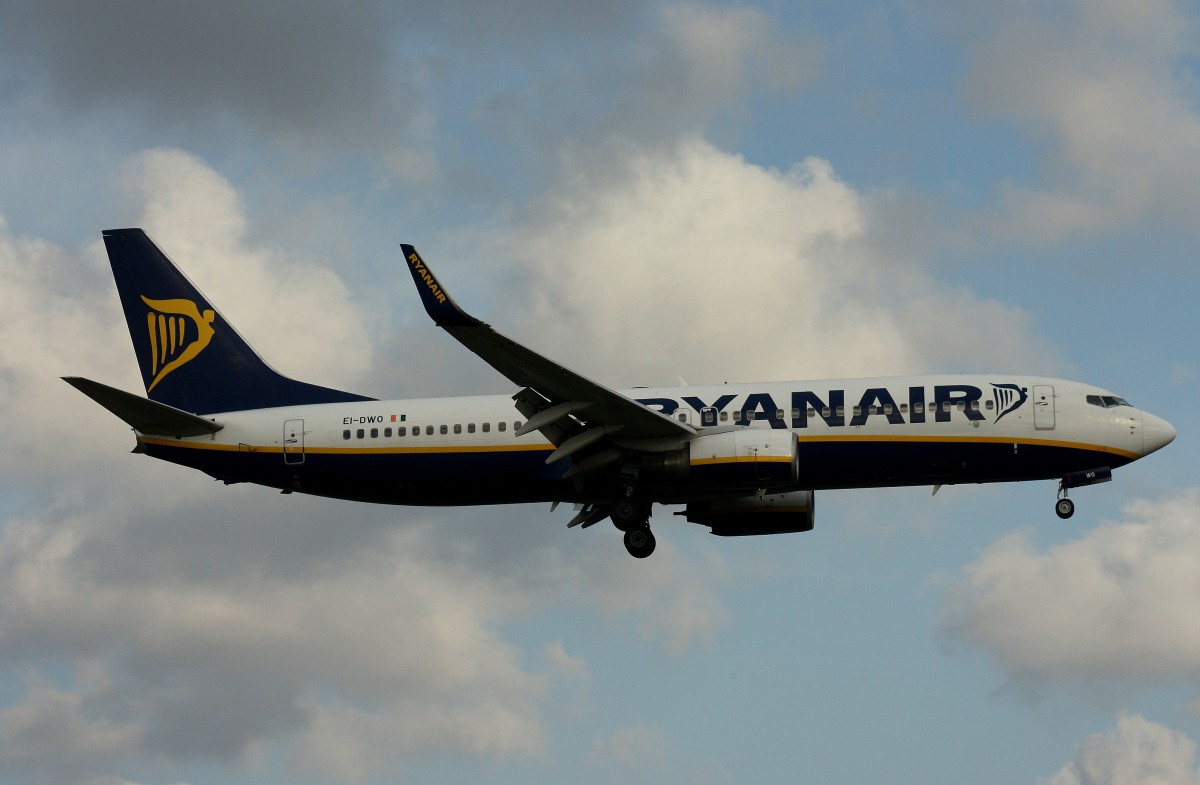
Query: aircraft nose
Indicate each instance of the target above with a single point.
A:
(1156, 433)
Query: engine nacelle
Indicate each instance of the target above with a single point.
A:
(745, 458)
(772, 513)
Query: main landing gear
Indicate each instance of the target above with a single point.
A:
(632, 517)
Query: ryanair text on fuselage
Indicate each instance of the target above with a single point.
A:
(874, 402)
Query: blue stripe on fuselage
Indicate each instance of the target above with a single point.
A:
(481, 476)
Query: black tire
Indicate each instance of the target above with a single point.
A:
(625, 514)
(1064, 508)
(639, 541)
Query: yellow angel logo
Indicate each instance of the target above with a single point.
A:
(178, 332)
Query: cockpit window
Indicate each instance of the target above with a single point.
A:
(1107, 401)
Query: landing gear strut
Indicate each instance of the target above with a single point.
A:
(1064, 507)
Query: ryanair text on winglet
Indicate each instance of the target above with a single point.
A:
(427, 277)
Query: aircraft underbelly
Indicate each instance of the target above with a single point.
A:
(453, 478)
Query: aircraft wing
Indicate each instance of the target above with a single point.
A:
(555, 398)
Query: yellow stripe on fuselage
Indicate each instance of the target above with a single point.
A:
(546, 447)
(742, 459)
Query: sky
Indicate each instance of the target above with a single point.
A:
(646, 192)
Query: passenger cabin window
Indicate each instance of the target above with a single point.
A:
(470, 427)
(487, 427)
(374, 433)
(361, 433)
(387, 433)
(500, 426)
(429, 430)
(400, 431)
(345, 434)
(443, 430)
(458, 427)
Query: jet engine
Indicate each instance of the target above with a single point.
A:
(745, 458)
(772, 513)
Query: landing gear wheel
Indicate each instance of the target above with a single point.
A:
(626, 514)
(1064, 508)
(639, 541)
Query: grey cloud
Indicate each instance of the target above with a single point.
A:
(300, 70)
(1105, 88)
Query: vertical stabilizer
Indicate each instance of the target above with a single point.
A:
(190, 357)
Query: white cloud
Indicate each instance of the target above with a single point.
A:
(1103, 86)
(54, 321)
(1139, 752)
(695, 262)
(183, 620)
(297, 314)
(1118, 603)
(638, 747)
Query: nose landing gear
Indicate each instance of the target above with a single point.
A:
(1064, 507)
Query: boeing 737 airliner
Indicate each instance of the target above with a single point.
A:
(741, 458)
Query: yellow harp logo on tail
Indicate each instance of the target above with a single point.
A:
(178, 332)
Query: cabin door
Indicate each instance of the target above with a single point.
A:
(1043, 407)
(293, 441)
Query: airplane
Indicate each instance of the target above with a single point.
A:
(742, 459)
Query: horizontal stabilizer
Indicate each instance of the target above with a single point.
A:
(144, 416)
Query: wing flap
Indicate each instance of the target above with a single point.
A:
(143, 415)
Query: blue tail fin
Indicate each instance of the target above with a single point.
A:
(191, 358)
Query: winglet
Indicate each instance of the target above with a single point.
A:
(438, 303)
